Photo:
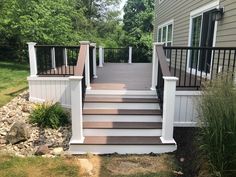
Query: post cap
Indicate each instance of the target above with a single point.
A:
(170, 78)
(31, 43)
(75, 77)
(84, 42)
(158, 43)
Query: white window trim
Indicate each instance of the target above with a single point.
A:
(169, 22)
(193, 14)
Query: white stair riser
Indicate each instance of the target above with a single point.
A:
(122, 132)
(121, 106)
(120, 92)
(122, 118)
(121, 149)
(123, 96)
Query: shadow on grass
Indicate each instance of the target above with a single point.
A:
(14, 66)
(17, 92)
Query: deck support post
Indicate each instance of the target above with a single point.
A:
(76, 109)
(94, 61)
(168, 109)
(65, 58)
(130, 55)
(154, 66)
(101, 56)
(87, 66)
(32, 58)
(53, 58)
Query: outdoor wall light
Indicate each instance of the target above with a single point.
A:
(219, 13)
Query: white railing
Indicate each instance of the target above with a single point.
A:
(167, 89)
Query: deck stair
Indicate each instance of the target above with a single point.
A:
(121, 122)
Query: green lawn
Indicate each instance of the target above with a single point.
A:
(12, 80)
(11, 166)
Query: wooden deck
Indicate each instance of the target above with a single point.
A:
(123, 76)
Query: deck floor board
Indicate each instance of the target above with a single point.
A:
(123, 76)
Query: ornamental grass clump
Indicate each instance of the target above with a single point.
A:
(49, 115)
(218, 126)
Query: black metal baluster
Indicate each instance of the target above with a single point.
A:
(213, 63)
(229, 60)
(234, 60)
(223, 61)
(195, 83)
(170, 58)
(175, 61)
(186, 64)
(181, 58)
(218, 62)
(202, 66)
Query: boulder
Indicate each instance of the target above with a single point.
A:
(57, 151)
(42, 150)
(17, 133)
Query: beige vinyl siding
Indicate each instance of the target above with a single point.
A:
(180, 10)
(226, 32)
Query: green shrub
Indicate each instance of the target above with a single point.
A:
(218, 131)
(49, 115)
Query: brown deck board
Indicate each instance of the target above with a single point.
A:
(123, 140)
(123, 76)
(120, 112)
(122, 125)
(119, 100)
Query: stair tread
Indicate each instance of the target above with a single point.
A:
(122, 125)
(121, 112)
(90, 99)
(123, 140)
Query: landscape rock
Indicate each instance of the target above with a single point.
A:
(57, 151)
(17, 133)
(18, 110)
(42, 150)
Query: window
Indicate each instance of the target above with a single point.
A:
(202, 34)
(165, 33)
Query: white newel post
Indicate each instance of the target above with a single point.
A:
(32, 58)
(65, 57)
(168, 109)
(76, 109)
(130, 55)
(94, 60)
(53, 58)
(87, 66)
(154, 66)
(103, 53)
(100, 57)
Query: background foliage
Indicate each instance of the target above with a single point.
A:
(70, 21)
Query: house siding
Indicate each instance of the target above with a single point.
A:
(226, 32)
(179, 11)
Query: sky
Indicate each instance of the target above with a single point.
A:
(122, 5)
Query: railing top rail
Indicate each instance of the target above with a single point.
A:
(196, 48)
(163, 61)
(60, 46)
(79, 69)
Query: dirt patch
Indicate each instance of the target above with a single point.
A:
(134, 164)
(187, 154)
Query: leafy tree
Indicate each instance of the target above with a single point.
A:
(138, 25)
(56, 22)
